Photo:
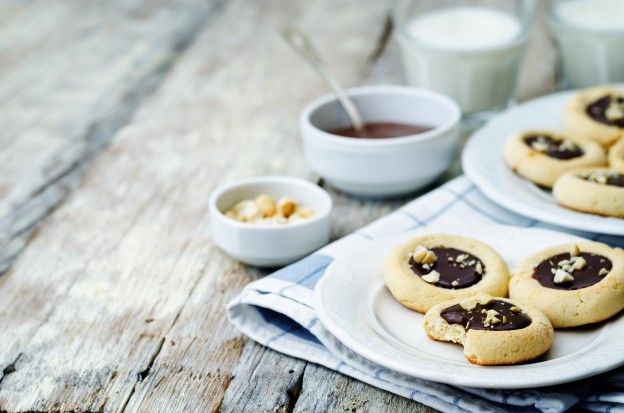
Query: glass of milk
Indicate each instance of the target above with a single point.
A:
(590, 36)
(468, 50)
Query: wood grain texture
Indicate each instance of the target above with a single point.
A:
(264, 381)
(71, 74)
(337, 393)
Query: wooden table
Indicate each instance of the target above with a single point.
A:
(118, 119)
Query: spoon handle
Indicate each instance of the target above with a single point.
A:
(304, 48)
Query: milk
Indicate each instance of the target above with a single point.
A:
(590, 34)
(469, 53)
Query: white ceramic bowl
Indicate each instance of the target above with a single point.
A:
(381, 167)
(270, 245)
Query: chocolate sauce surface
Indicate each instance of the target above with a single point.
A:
(615, 180)
(451, 271)
(555, 148)
(588, 276)
(381, 130)
(474, 319)
(597, 111)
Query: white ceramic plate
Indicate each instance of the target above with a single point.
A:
(482, 161)
(354, 305)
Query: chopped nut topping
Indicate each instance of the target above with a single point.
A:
(455, 283)
(479, 268)
(543, 144)
(264, 209)
(266, 205)
(432, 278)
(449, 259)
(562, 276)
(615, 110)
(603, 271)
(600, 176)
(578, 263)
(246, 210)
(286, 207)
(515, 309)
(490, 317)
(575, 250)
(461, 257)
(468, 304)
(540, 145)
(423, 255)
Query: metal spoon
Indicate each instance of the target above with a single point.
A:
(302, 45)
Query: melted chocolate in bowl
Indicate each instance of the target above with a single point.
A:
(585, 277)
(475, 319)
(555, 150)
(451, 271)
(381, 130)
(597, 110)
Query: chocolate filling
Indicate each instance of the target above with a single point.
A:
(555, 148)
(610, 178)
(585, 277)
(475, 318)
(453, 274)
(597, 110)
(615, 179)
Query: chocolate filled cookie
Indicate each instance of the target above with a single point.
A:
(542, 156)
(616, 156)
(433, 268)
(594, 190)
(596, 113)
(573, 284)
(492, 330)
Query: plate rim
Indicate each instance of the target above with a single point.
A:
(426, 373)
(506, 199)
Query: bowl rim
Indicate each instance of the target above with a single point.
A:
(273, 179)
(310, 108)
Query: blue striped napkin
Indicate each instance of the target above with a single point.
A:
(277, 311)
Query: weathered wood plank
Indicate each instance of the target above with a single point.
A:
(71, 74)
(334, 392)
(264, 381)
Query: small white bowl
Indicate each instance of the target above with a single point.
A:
(381, 167)
(270, 245)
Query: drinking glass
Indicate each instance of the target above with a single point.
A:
(590, 39)
(469, 50)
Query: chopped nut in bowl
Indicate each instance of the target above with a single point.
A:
(270, 221)
(263, 209)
